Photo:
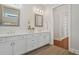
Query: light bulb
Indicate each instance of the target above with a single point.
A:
(40, 11)
(37, 10)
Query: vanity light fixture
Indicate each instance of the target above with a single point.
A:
(38, 11)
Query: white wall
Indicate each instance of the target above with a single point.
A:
(50, 19)
(74, 44)
(8, 30)
(26, 14)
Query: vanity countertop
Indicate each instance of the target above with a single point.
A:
(15, 34)
(61, 38)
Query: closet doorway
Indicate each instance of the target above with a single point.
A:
(61, 17)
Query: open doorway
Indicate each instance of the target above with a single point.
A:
(61, 17)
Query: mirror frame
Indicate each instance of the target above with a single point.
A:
(3, 7)
(37, 20)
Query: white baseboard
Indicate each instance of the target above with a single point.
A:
(74, 51)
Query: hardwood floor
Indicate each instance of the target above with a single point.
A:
(50, 50)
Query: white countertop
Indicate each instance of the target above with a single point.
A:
(60, 39)
(15, 34)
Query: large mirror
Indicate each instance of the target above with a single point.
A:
(38, 20)
(9, 16)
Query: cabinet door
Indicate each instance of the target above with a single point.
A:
(46, 38)
(5, 48)
(19, 46)
(32, 44)
(41, 40)
(29, 42)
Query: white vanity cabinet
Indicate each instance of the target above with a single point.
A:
(20, 44)
(29, 42)
(5, 47)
